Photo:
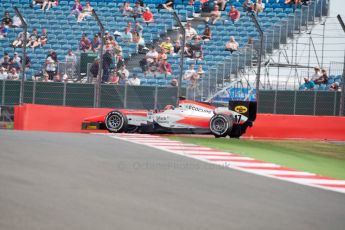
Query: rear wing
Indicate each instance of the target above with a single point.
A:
(247, 108)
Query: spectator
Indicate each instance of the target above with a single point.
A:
(36, 2)
(16, 21)
(114, 78)
(323, 79)
(250, 42)
(3, 31)
(94, 69)
(190, 31)
(174, 82)
(51, 65)
(234, 14)
(192, 76)
(221, 4)
(334, 86)
(138, 28)
(200, 71)
(129, 26)
(137, 39)
(13, 74)
(7, 19)
(96, 43)
(147, 16)
(231, 45)
(6, 63)
(77, 8)
(196, 49)
(167, 46)
(84, 44)
(42, 40)
(168, 5)
(141, 2)
(177, 46)
(107, 62)
(14, 63)
(126, 9)
(117, 49)
(137, 11)
(107, 36)
(48, 4)
(215, 14)
(27, 62)
(127, 36)
(3, 73)
(258, 6)
(207, 34)
(149, 58)
(308, 85)
(3, 58)
(189, 73)
(248, 6)
(32, 38)
(165, 67)
(71, 63)
(18, 42)
(123, 74)
(86, 12)
(317, 73)
(16, 58)
(188, 51)
(154, 66)
(162, 55)
(134, 80)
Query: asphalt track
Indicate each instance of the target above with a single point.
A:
(80, 181)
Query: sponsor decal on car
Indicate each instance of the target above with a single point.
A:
(198, 109)
(241, 109)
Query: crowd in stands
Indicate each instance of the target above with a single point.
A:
(156, 60)
(321, 80)
(11, 66)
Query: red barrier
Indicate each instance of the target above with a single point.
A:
(53, 118)
(272, 126)
(69, 119)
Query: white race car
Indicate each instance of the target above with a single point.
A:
(188, 117)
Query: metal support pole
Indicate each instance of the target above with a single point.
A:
(125, 97)
(64, 93)
(100, 68)
(342, 94)
(3, 92)
(181, 53)
(258, 27)
(323, 42)
(25, 27)
(155, 107)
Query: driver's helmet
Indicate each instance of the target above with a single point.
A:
(169, 107)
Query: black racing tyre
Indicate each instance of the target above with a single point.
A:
(116, 122)
(221, 125)
(238, 130)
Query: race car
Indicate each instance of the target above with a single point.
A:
(188, 117)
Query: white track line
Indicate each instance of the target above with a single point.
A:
(234, 161)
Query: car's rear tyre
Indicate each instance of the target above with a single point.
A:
(221, 125)
(116, 122)
(238, 130)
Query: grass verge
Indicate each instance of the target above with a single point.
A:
(323, 158)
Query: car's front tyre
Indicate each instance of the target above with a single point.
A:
(116, 122)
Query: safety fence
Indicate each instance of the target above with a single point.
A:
(83, 95)
(154, 97)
